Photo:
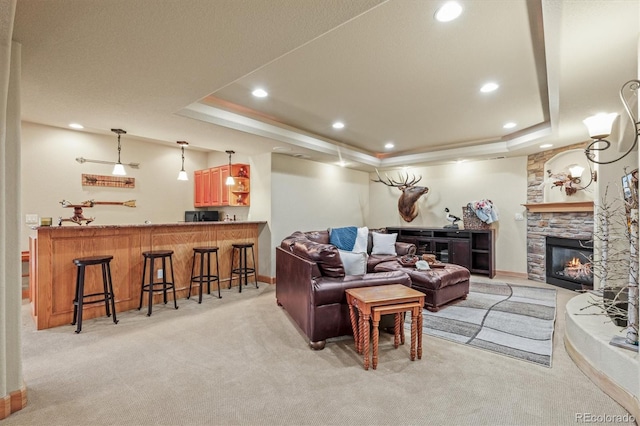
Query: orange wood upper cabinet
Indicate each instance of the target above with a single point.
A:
(198, 189)
(211, 188)
(206, 187)
(224, 189)
(216, 190)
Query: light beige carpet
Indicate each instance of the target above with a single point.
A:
(241, 360)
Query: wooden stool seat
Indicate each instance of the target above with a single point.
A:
(106, 296)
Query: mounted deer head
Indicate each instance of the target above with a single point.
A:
(407, 206)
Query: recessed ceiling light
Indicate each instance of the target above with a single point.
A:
(260, 93)
(389, 145)
(509, 125)
(338, 125)
(489, 87)
(546, 145)
(76, 126)
(449, 11)
(342, 163)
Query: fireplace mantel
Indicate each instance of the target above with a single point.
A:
(581, 206)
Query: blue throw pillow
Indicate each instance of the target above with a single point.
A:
(343, 238)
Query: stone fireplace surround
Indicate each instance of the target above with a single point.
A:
(565, 224)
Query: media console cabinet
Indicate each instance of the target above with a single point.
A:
(473, 249)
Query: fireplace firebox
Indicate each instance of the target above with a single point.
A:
(569, 263)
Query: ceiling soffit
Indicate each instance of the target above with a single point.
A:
(417, 86)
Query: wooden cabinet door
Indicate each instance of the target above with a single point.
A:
(460, 253)
(206, 188)
(198, 189)
(224, 188)
(215, 186)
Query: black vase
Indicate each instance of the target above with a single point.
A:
(616, 297)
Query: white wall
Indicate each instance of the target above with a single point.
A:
(307, 196)
(50, 174)
(261, 210)
(289, 193)
(503, 181)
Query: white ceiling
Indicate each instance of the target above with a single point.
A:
(183, 70)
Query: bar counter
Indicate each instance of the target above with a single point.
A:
(53, 273)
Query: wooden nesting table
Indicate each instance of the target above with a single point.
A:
(371, 303)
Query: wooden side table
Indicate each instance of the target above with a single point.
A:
(371, 302)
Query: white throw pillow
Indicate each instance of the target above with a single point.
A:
(361, 240)
(384, 243)
(354, 263)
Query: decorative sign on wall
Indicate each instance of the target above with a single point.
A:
(113, 181)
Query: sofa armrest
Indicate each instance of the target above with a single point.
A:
(403, 248)
(294, 278)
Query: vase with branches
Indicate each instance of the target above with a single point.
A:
(616, 235)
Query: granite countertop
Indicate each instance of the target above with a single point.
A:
(135, 225)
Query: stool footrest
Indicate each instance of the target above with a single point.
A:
(205, 278)
(103, 298)
(161, 286)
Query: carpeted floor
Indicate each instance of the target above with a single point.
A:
(516, 321)
(240, 360)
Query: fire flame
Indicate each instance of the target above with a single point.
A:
(575, 262)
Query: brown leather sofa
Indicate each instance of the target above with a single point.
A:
(311, 283)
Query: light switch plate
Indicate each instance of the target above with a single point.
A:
(31, 219)
(519, 216)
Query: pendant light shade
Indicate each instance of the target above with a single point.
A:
(230, 181)
(118, 169)
(182, 175)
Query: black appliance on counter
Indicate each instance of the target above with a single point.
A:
(201, 216)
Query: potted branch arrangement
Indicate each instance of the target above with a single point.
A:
(617, 267)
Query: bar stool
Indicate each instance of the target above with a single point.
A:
(243, 270)
(106, 295)
(202, 278)
(163, 285)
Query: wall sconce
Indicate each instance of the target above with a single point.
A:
(600, 126)
(230, 181)
(571, 182)
(118, 168)
(576, 171)
(182, 175)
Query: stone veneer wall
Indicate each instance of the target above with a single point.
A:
(540, 225)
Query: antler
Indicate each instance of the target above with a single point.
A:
(395, 184)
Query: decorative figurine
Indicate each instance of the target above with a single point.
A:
(451, 218)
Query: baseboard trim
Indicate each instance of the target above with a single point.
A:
(13, 402)
(608, 386)
(512, 274)
(266, 279)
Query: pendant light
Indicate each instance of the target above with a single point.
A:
(230, 181)
(182, 175)
(118, 169)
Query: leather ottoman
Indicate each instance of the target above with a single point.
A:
(440, 285)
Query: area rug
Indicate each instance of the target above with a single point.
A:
(511, 320)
